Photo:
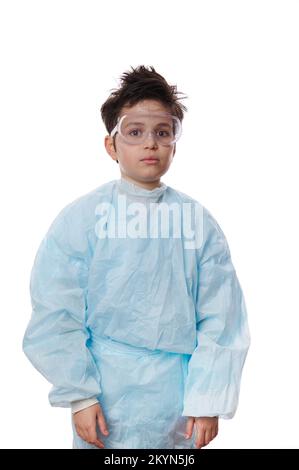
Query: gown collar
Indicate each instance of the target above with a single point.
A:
(135, 190)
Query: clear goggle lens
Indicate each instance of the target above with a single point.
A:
(135, 128)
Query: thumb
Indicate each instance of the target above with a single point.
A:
(189, 427)
(102, 423)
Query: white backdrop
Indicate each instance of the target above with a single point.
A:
(237, 61)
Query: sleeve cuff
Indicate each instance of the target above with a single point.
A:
(222, 404)
(82, 404)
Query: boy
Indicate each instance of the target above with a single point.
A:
(144, 335)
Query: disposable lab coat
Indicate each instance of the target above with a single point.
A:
(152, 326)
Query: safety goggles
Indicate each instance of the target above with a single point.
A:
(135, 128)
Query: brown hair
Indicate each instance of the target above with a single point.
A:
(137, 85)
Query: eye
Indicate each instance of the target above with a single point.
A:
(166, 134)
(135, 131)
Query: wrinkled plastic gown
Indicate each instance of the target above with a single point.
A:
(153, 329)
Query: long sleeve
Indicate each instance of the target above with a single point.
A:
(223, 339)
(55, 340)
(82, 404)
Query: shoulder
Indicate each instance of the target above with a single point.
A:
(82, 207)
(213, 237)
(88, 200)
(74, 225)
(204, 216)
(208, 230)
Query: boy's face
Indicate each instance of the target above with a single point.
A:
(132, 167)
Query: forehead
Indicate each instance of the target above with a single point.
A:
(146, 106)
(138, 119)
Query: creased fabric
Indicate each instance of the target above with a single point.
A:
(154, 331)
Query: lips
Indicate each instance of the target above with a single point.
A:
(150, 158)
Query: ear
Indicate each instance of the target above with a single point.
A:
(109, 145)
(174, 150)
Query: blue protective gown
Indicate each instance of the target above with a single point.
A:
(155, 331)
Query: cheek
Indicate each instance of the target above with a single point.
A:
(169, 156)
(131, 156)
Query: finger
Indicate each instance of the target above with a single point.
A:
(84, 436)
(99, 443)
(200, 437)
(102, 424)
(208, 436)
(93, 439)
(214, 432)
(189, 427)
(81, 433)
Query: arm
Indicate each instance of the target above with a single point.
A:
(55, 339)
(215, 367)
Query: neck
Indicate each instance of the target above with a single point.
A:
(143, 184)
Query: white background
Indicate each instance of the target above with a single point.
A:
(237, 61)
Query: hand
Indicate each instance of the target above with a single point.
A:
(85, 422)
(205, 428)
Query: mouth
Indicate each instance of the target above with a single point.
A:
(150, 159)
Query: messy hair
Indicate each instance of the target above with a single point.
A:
(138, 85)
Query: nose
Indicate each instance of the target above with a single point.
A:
(151, 138)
